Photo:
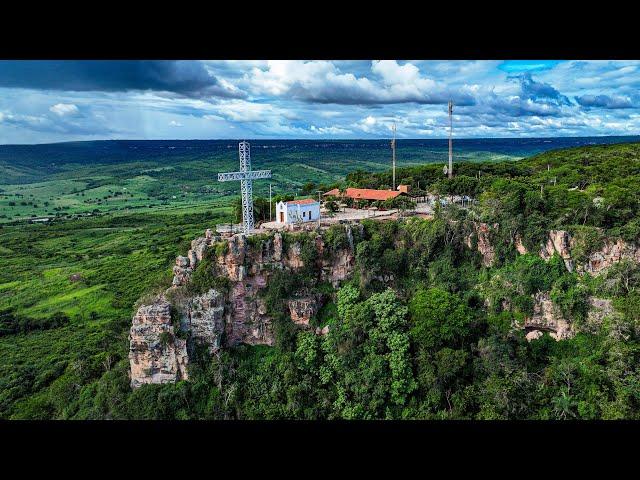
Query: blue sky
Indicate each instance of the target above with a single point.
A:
(54, 101)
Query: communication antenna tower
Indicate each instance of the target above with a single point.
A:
(393, 153)
(450, 170)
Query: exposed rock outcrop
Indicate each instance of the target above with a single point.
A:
(520, 248)
(610, 253)
(322, 331)
(559, 242)
(236, 313)
(204, 319)
(181, 271)
(155, 354)
(482, 235)
(158, 354)
(302, 309)
(247, 320)
(547, 317)
(185, 266)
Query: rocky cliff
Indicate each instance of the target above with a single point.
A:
(547, 317)
(156, 355)
(161, 342)
(166, 329)
(560, 242)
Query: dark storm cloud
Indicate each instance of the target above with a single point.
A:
(540, 91)
(353, 94)
(604, 101)
(77, 125)
(519, 107)
(187, 78)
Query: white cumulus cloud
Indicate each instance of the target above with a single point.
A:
(64, 109)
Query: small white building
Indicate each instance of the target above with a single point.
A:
(296, 211)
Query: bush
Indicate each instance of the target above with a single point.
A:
(204, 279)
(335, 238)
(10, 323)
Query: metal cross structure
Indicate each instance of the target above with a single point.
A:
(246, 177)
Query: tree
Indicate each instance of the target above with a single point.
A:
(331, 206)
(401, 202)
(437, 318)
(309, 188)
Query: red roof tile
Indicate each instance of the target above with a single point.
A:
(371, 194)
(334, 193)
(305, 201)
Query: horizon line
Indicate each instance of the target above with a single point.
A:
(304, 139)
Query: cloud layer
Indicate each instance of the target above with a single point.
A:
(43, 101)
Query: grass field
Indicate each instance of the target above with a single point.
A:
(92, 270)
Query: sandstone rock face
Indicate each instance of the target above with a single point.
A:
(185, 266)
(339, 267)
(548, 317)
(158, 355)
(302, 309)
(611, 253)
(521, 249)
(181, 272)
(560, 242)
(205, 319)
(231, 264)
(322, 331)
(247, 321)
(481, 233)
(155, 354)
(533, 335)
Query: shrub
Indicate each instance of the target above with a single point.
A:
(204, 279)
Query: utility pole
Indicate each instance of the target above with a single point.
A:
(319, 201)
(270, 203)
(393, 153)
(450, 171)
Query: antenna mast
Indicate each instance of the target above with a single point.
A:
(393, 150)
(450, 171)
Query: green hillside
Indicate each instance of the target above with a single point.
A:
(67, 291)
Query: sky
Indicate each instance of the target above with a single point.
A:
(56, 101)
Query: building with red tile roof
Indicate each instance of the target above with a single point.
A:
(370, 194)
(332, 193)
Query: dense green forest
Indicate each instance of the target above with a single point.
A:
(435, 344)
